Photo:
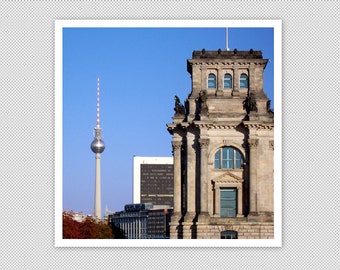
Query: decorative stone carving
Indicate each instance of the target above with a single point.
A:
(204, 143)
(227, 177)
(249, 104)
(179, 107)
(176, 145)
(202, 102)
(253, 143)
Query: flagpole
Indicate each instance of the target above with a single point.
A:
(226, 35)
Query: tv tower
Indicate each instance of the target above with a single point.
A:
(97, 146)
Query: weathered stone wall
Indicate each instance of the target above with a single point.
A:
(245, 230)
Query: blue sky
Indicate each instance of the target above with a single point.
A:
(141, 70)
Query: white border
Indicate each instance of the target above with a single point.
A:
(277, 241)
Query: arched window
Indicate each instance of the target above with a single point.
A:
(243, 81)
(227, 83)
(228, 158)
(211, 81)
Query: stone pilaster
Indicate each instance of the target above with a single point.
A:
(251, 82)
(176, 146)
(204, 215)
(253, 143)
(236, 82)
(239, 202)
(220, 77)
(191, 178)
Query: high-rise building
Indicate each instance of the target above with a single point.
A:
(97, 146)
(153, 180)
(223, 149)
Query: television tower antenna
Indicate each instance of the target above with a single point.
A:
(97, 147)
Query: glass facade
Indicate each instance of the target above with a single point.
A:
(157, 184)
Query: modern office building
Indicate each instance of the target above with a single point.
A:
(153, 181)
(223, 149)
(142, 221)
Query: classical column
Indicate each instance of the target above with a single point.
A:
(253, 175)
(176, 146)
(239, 201)
(204, 179)
(191, 178)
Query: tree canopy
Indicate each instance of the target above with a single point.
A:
(89, 228)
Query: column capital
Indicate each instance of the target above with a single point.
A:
(253, 143)
(176, 145)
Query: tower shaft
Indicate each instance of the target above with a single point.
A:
(97, 194)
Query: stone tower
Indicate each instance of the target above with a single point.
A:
(223, 149)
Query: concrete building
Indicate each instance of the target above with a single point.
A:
(153, 181)
(142, 221)
(223, 149)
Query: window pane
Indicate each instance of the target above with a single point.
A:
(227, 84)
(238, 160)
(238, 164)
(211, 84)
(225, 153)
(228, 203)
(228, 158)
(227, 81)
(243, 81)
(230, 153)
(218, 159)
(211, 81)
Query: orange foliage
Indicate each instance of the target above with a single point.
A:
(89, 228)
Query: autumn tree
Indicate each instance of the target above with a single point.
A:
(89, 228)
(70, 227)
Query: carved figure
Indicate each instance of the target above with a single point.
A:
(249, 104)
(202, 102)
(179, 108)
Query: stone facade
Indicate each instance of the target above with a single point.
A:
(223, 149)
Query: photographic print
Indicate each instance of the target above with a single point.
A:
(165, 133)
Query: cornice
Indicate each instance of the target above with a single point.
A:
(230, 63)
(258, 125)
(216, 125)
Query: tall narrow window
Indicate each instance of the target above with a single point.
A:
(211, 81)
(243, 81)
(227, 83)
(228, 202)
(228, 158)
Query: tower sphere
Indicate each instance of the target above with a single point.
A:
(97, 146)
